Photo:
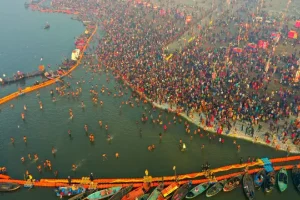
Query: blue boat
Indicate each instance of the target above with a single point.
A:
(156, 192)
(197, 190)
(259, 178)
(103, 193)
(69, 191)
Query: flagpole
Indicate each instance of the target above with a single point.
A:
(174, 168)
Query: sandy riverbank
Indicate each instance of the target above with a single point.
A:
(237, 131)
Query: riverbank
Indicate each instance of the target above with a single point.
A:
(238, 130)
(261, 133)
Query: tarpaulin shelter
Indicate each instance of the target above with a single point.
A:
(275, 36)
(162, 12)
(252, 45)
(292, 35)
(297, 24)
(237, 50)
(262, 44)
(139, 2)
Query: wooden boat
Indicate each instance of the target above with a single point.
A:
(103, 193)
(282, 179)
(78, 196)
(140, 191)
(197, 190)
(269, 182)
(215, 189)
(168, 190)
(232, 183)
(144, 197)
(9, 187)
(47, 26)
(296, 177)
(182, 191)
(156, 192)
(259, 178)
(121, 193)
(69, 191)
(248, 186)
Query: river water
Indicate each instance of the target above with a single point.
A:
(49, 127)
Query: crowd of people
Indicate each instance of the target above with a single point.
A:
(213, 85)
(217, 84)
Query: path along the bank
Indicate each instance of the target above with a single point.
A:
(237, 131)
(137, 182)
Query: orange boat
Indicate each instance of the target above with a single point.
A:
(168, 190)
(134, 194)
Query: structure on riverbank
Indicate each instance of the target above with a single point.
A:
(137, 182)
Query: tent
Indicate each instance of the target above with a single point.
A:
(237, 50)
(292, 35)
(297, 24)
(162, 12)
(252, 45)
(262, 44)
(275, 36)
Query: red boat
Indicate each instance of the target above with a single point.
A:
(137, 192)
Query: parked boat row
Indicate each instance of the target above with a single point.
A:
(19, 76)
(50, 74)
(260, 179)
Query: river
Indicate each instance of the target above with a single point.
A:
(49, 127)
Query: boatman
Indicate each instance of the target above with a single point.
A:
(91, 177)
(69, 180)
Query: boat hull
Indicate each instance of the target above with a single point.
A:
(137, 192)
(215, 189)
(121, 193)
(9, 187)
(156, 192)
(168, 190)
(248, 186)
(259, 178)
(282, 180)
(235, 182)
(199, 189)
(69, 191)
(103, 193)
(181, 192)
(268, 183)
(296, 178)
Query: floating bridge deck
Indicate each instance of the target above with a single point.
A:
(196, 178)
